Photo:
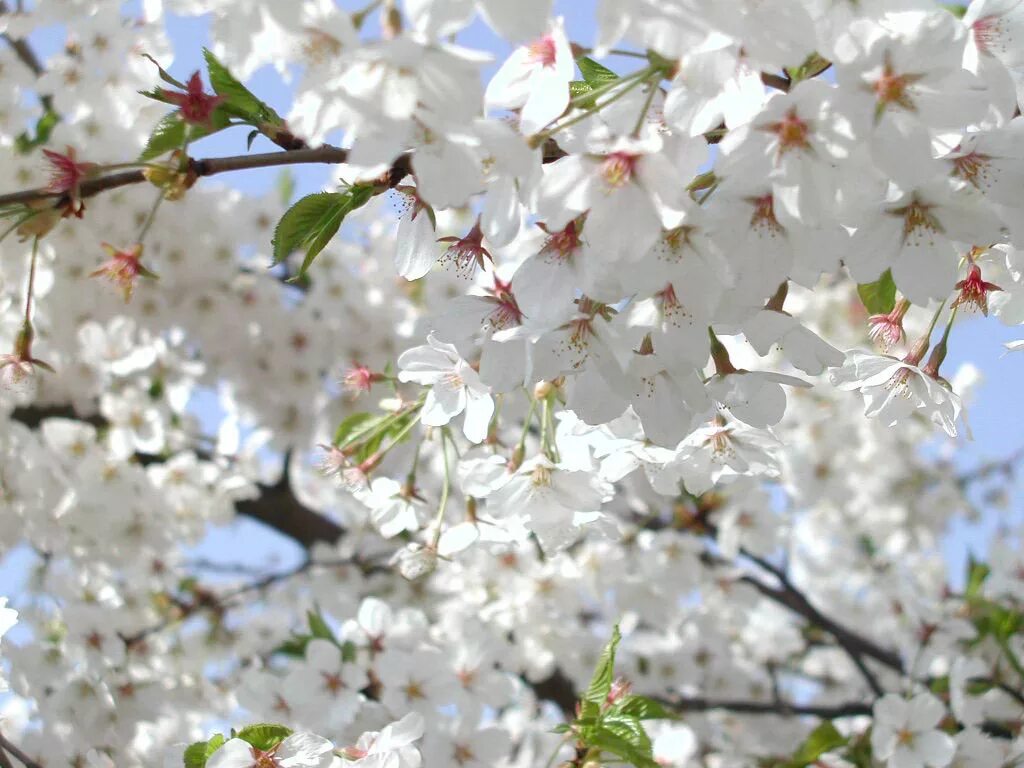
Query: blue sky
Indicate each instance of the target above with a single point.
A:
(997, 416)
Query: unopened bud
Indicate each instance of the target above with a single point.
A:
(391, 22)
(39, 224)
(542, 389)
(517, 458)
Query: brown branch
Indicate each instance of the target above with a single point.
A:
(18, 754)
(25, 55)
(558, 688)
(855, 645)
(205, 167)
(781, 708)
(205, 600)
(276, 507)
(779, 82)
(22, 49)
(852, 642)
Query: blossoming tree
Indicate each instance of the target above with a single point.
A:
(599, 390)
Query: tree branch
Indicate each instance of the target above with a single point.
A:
(276, 507)
(782, 708)
(206, 167)
(18, 754)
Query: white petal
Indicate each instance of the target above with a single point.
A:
(235, 753)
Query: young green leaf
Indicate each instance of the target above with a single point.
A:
(164, 74)
(977, 572)
(642, 708)
(824, 738)
(26, 142)
(604, 674)
(168, 135)
(327, 226)
(264, 736)
(879, 297)
(293, 230)
(609, 741)
(630, 729)
(237, 97)
(198, 753)
(350, 427)
(318, 627)
(593, 73)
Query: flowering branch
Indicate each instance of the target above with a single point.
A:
(204, 167)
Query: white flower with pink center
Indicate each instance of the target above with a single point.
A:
(535, 79)
(455, 387)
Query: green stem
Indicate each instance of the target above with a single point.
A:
(18, 223)
(31, 282)
(151, 217)
(935, 318)
(645, 109)
(558, 748)
(521, 446)
(443, 503)
(634, 81)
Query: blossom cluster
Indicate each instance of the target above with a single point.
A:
(583, 355)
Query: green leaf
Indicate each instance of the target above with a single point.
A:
(824, 738)
(236, 96)
(956, 9)
(349, 426)
(26, 142)
(812, 66)
(156, 94)
(164, 74)
(198, 753)
(610, 741)
(295, 646)
(593, 73)
(168, 135)
(879, 297)
(977, 572)
(604, 674)
(630, 729)
(293, 230)
(348, 651)
(264, 736)
(318, 627)
(285, 185)
(313, 221)
(642, 708)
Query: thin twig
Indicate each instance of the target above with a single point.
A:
(782, 708)
(19, 755)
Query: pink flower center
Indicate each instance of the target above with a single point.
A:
(792, 132)
(542, 51)
(763, 218)
(618, 168)
(893, 89)
(988, 32)
(974, 291)
(972, 168)
(561, 246)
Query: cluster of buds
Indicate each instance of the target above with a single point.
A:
(175, 178)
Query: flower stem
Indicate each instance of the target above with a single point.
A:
(443, 503)
(634, 80)
(31, 282)
(151, 217)
(645, 109)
